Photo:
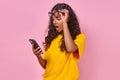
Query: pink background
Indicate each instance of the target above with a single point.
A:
(24, 19)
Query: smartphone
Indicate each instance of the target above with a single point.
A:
(32, 41)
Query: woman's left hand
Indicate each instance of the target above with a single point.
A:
(64, 15)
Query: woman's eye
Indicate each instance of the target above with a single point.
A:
(58, 17)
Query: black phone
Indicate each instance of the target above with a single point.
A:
(32, 41)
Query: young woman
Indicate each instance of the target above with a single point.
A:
(64, 45)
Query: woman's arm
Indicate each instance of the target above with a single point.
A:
(38, 53)
(69, 42)
(42, 62)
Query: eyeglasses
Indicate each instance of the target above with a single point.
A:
(56, 14)
(53, 13)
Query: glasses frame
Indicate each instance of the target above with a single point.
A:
(53, 14)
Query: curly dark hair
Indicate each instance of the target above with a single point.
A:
(73, 26)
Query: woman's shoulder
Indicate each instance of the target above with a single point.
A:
(81, 35)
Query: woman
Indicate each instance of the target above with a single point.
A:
(64, 45)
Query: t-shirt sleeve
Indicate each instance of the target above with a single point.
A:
(80, 42)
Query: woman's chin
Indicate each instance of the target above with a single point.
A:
(60, 32)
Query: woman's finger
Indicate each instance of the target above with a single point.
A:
(34, 50)
(38, 52)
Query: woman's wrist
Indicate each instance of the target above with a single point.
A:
(65, 24)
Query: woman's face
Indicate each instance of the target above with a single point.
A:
(56, 19)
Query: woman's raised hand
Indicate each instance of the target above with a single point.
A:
(64, 15)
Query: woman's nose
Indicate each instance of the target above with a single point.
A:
(54, 21)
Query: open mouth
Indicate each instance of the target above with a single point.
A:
(57, 28)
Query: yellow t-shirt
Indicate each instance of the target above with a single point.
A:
(61, 65)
